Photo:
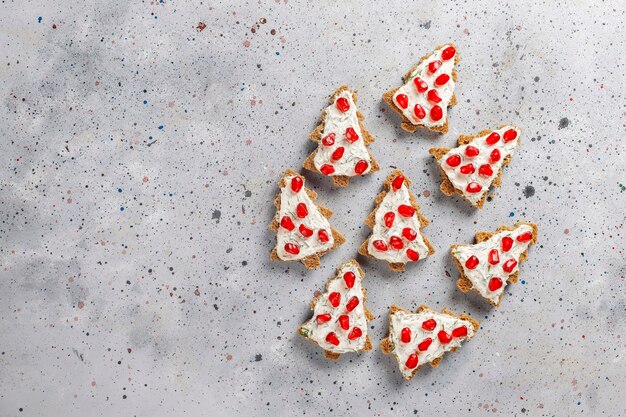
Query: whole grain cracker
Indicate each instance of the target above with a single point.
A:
(406, 124)
(446, 185)
(316, 136)
(368, 314)
(465, 285)
(370, 220)
(387, 345)
(311, 261)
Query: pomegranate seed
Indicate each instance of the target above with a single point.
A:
(380, 245)
(493, 258)
(397, 182)
(412, 255)
(409, 234)
(429, 325)
(493, 138)
(296, 184)
(344, 321)
(459, 331)
(485, 170)
(351, 135)
(495, 156)
(323, 318)
(509, 266)
(507, 243)
(327, 169)
(396, 243)
(286, 223)
(454, 161)
(467, 169)
(329, 140)
(448, 53)
(402, 100)
(406, 210)
(337, 154)
(419, 111)
(405, 335)
(292, 248)
(305, 231)
(442, 80)
(349, 279)
(343, 104)
(472, 262)
(420, 85)
(355, 333)
(525, 237)
(352, 303)
(332, 339)
(495, 283)
(411, 362)
(389, 217)
(360, 167)
(322, 236)
(334, 298)
(434, 66)
(424, 344)
(471, 151)
(434, 96)
(301, 210)
(510, 135)
(436, 113)
(444, 337)
(473, 187)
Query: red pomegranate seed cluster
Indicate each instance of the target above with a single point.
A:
(429, 325)
(484, 170)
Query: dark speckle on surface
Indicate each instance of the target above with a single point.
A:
(529, 191)
(258, 357)
(563, 123)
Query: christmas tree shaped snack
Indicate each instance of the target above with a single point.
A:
(303, 232)
(342, 150)
(427, 92)
(339, 322)
(424, 337)
(487, 265)
(396, 224)
(476, 164)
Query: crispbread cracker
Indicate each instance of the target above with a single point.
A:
(316, 136)
(368, 314)
(465, 285)
(406, 124)
(369, 221)
(311, 261)
(447, 188)
(387, 345)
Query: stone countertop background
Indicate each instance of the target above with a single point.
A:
(141, 147)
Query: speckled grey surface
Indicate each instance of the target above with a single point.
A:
(140, 157)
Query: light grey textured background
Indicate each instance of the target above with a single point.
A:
(139, 157)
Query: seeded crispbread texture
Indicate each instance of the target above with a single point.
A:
(406, 123)
(465, 285)
(446, 185)
(368, 314)
(370, 220)
(387, 345)
(311, 261)
(316, 136)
